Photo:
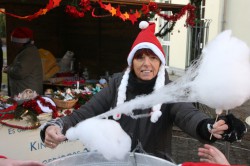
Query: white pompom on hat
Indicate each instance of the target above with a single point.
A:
(22, 35)
(145, 40)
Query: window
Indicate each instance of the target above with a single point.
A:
(165, 41)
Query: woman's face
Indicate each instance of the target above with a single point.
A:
(145, 66)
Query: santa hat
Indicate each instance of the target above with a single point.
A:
(22, 35)
(145, 39)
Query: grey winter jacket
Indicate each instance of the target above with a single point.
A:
(154, 137)
(26, 71)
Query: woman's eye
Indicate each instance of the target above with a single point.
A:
(139, 57)
(153, 57)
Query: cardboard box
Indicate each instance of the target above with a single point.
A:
(27, 145)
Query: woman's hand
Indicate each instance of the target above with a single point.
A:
(211, 154)
(11, 162)
(53, 136)
(218, 129)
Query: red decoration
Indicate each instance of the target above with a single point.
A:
(153, 6)
(190, 9)
(56, 3)
(118, 11)
(65, 74)
(107, 7)
(72, 11)
(145, 9)
(67, 112)
(132, 18)
(71, 82)
(32, 104)
(85, 5)
(93, 14)
(52, 4)
(20, 127)
(8, 113)
(78, 10)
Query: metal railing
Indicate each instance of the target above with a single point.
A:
(197, 39)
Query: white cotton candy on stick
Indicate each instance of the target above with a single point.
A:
(223, 80)
(102, 135)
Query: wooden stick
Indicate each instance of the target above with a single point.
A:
(214, 122)
(218, 112)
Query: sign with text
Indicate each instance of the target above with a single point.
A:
(27, 145)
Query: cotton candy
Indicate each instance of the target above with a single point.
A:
(102, 135)
(223, 80)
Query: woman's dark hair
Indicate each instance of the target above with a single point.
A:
(145, 51)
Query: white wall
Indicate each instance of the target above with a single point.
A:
(238, 18)
(178, 41)
(225, 14)
(214, 11)
(229, 14)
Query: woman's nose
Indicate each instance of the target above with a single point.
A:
(146, 61)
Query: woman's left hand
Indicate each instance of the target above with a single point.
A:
(218, 129)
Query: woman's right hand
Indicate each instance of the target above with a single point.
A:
(53, 136)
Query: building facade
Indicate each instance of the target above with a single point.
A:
(218, 16)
